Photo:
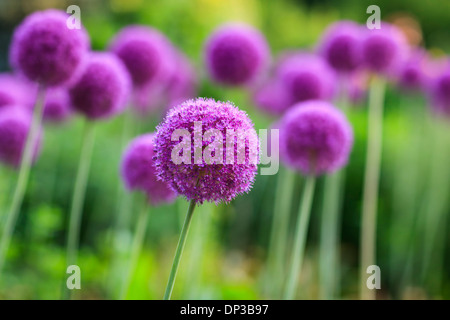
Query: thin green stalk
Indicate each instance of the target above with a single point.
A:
(329, 235)
(300, 238)
(24, 172)
(179, 251)
(331, 221)
(139, 236)
(79, 194)
(279, 234)
(371, 183)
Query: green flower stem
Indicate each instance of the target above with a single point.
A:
(179, 251)
(300, 238)
(139, 236)
(280, 230)
(329, 235)
(24, 172)
(79, 194)
(331, 222)
(371, 182)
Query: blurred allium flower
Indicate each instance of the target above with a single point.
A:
(384, 49)
(182, 84)
(45, 50)
(103, 88)
(15, 122)
(439, 91)
(315, 138)
(412, 71)
(357, 86)
(16, 91)
(341, 46)
(236, 54)
(306, 77)
(198, 180)
(57, 106)
(138, 171)
(146, 53)
(271, 97)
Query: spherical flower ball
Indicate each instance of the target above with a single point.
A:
(307, 77)
(235, 54)
(138, 171)
(15, 123)
(146, 53)
(57, 106)
(384, 49)
(182, 85)
(412, 71)
(315, 138)
(45, 50)
(439, 91)
(197, 165)
(103, 88)
(15, 90)
(341, 46)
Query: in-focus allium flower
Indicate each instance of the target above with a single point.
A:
(45, 50)
(57, 106)
(103, 88)
(16, 91)
(439, 91)
(307, 77)
(384, 49)
(412, 71)
(15, 122)
(146, 53)
(315, 138)
(236, 54)
(272, 98)
(138, 171)
(207, 173)
(341, 46)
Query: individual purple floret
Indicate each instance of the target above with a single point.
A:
(15, 122)
(315, 138)
(45, 50)
(57, 106)
(384, 49)
(229, 172)
(138, 171)
(341, 46)
(146, 53)
(236, 54)
(306, 77)
(103, 88)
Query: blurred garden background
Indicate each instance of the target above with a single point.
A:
(226, 251)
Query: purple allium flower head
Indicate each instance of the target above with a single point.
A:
(307, 77)
(183, 83)
(412, 71)
(45, 50)
(200, 178)
(341, 46)
(384, 49)
(15, 122)
(15, 90)
(138, 171)
(439, 91)
(271, 98)
(146, 53)
(315, 138)
(103, 88)
(57, 106)
(236, 54)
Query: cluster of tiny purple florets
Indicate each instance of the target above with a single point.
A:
(206, 182)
